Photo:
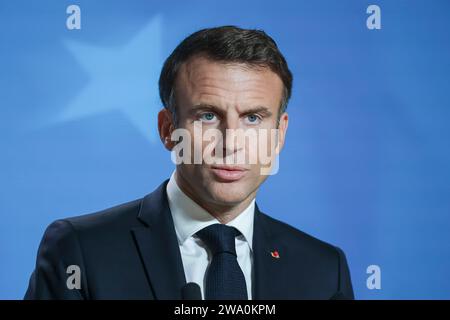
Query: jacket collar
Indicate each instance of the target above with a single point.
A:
(158, 246)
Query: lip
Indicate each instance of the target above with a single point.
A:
(228, 173)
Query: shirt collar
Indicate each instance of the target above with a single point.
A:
(189, 217)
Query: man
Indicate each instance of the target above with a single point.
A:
(202, 225)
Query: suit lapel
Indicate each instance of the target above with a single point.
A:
(160, 254)
(158, 246)
(269, 281)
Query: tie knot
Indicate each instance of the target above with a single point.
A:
(219, 238)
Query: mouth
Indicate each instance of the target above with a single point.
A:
(228, 173)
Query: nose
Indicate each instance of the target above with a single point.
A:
(229, 127)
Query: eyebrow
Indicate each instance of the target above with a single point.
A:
(208, 107)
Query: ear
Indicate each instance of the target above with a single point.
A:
(165, 128)
(282, 129)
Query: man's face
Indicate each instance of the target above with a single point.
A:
(226, 97)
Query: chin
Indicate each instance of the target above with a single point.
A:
(227, 193)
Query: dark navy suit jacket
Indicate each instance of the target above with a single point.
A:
(131, 252)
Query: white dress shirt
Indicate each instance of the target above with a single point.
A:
(188, 218)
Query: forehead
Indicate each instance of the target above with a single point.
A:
(203, 80)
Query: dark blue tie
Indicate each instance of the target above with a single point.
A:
(224, 278)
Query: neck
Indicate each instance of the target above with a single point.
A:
(222, 212)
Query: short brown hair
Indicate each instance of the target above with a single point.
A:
(228, 44)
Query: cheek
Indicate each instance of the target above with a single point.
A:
(263, 148)
(196, 144)
(254, 179)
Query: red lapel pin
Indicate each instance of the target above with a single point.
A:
(275, 254)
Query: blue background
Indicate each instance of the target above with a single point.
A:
(365, 167)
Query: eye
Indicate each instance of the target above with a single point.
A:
(253, 119)
(207, 117)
